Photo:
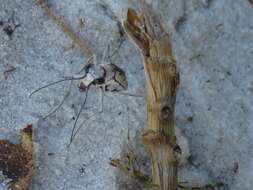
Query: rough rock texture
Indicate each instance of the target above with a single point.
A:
(213, 45)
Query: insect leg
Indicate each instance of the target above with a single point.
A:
(104, 56)
(78, 115)
(79, 127)
(61, 103)
(101, 99)
(87, 66)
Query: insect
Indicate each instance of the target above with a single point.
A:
(106, 76)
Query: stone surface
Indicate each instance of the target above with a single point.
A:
(213, 45)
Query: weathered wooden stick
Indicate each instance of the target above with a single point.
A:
(162, 77)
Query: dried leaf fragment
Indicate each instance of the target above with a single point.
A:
(17, 160)
(128, 164)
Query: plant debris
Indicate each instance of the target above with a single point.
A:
(17, 160)
(9, 29)
(9, 26)
(7, 72)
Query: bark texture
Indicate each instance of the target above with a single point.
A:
(162, 78)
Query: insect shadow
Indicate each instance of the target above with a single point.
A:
(105, 76)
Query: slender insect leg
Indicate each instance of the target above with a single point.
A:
(78, 115)
(79, 127)
(61, 103)
(115, 51)
(94, 59)
(104, 56)
(109, 55)
(101, 99)
(74, 132)
(87, 65)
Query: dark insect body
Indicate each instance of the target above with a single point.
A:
(108, 77)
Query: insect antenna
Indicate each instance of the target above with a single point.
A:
(77, 130)
(56, 82)
(78, 115)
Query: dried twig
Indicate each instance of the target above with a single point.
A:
(162, 78)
